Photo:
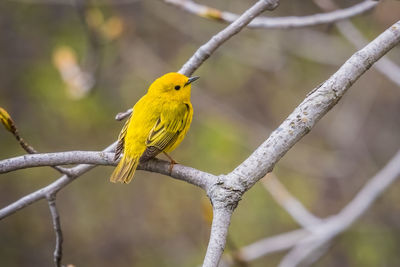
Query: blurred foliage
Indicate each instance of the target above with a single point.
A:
(246, 89)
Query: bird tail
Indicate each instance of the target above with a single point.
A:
(125, 169)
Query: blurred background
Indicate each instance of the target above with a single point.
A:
(68, 68)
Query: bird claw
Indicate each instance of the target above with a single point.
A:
(172, 162)
(171, 165)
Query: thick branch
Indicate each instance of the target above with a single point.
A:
(180, 172)
(219, 232)
(58, 158)
(305, 116)
(277, 22)
(312, 109)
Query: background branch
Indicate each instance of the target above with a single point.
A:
(385, 66)
(292, 205)
(217, 40)
(275, 22)
(309, 248)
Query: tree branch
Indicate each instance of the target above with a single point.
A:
(272, 244)
(335, 225)
(219, 231)
(225, 191)
(292, 205)
(217, 40)
(51, 199)
(304, 117)
(179, 171)
(309, 244)
(277, 22)
(52, 188)
(10, 126)
(312, 109)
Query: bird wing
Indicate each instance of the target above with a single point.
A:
(121, 139)
(169, 125)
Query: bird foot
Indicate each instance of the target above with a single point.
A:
(172, 162)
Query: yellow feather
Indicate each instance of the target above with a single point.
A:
(159, 122)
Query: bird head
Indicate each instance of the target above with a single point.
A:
(173, 85)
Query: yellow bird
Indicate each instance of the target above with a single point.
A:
(159, 122)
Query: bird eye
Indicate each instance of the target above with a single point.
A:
(177, 87)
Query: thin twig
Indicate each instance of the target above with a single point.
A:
(10, 126)
(271, 245)
(275, 22)
(217, 40)
(51, 199)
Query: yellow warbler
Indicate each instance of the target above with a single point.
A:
(159, 122)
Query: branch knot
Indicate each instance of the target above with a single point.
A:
(224, 193)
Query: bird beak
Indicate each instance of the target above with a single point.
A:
(191, 79)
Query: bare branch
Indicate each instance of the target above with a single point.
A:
(225, 191)
(303, 118)
(122, 115)
(52, 188)
(335, 225)
(385, 66)
(313, 108)
(217, 40)
(313, 243)
(51, 199)
(292, 205)
(271, 245)
(219, 232)
(10, 126)
(276, 22)
(179, 171)
(53, 159)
